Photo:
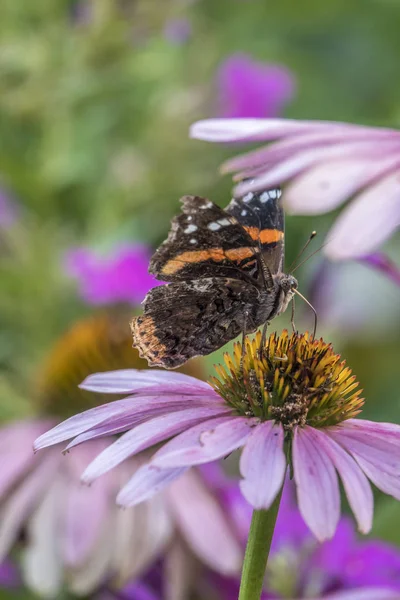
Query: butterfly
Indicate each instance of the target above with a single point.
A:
(225, 274)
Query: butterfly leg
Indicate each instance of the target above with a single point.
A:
(263, 338)
(292, 317)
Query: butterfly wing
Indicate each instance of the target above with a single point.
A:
(186, 319)
(205, 241)
(262, 216)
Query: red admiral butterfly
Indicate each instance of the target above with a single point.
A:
(226, 272)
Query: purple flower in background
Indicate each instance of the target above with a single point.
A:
(177, 31)
(324, 164)
(255, 404)
(299, 567)
(9, 576)
(120, 276)
(247, 88)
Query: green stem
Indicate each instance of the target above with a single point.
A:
(257, 551)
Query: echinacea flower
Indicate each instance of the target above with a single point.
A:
(75, 535)
(119, 276)
(293, 401)
(247, 88)
(322, 164)
(342, 568)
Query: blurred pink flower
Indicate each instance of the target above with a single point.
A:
(324, 164)
(76, 533)
(247, 88)
(382, 263)
(197, 425)
(120, 276)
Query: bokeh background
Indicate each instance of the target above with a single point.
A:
(96, 99)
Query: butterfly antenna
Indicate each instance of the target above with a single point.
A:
(312, 308)
(312, 236)
(308, 257)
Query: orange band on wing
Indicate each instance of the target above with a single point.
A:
(198, 256)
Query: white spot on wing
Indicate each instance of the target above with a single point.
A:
(266, 196)
(190, 229)
(189, 218)
(248, 197)
(214, 226)
(243, 213)
(224, 222)
(206, 205)
(193, 241)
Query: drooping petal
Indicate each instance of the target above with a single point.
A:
(41, 562)
(145, 483)
(16, 508)
(85, 507)
(317, 485)
(204, 444)
(146, 435)
(134, 381)
(361, 227)
(203, 524)
(131, 410)
(358, 490)
(263, 465)
(376, 450)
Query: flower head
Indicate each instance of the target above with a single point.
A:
(296, 404)
(121, 276)
(323, 164)
(247, 88)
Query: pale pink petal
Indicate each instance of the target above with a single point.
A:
(358, 490)
(234, 130)
(378, 457)
(85, 508)
(202, 445)
(16, 450)
(203, 524)
(16, 508)
(370, 593)
(369, 220)
(317, 485)
(328, 184)
(146, 435)
(263, 465)
(130, 381)
(131, 409)
(145, 483)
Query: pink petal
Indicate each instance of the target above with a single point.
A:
(234, 130)
(131, 409)
(328, 184)
(204, 525)
(146, 435)
(369, 220)
(263, 465)
(377, 455)
(204, 444)
(317, 485)
(373, 593)
(145, 483)
(86, 508)
(134, 381)
(19, 504)
(358, 490)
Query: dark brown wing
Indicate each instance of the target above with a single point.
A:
(186, 319)
(205, 241)
(262, 216)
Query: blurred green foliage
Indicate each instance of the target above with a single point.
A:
(95, 106)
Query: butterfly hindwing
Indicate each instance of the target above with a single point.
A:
(186, 319)
(262, 216)
(205, 241)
